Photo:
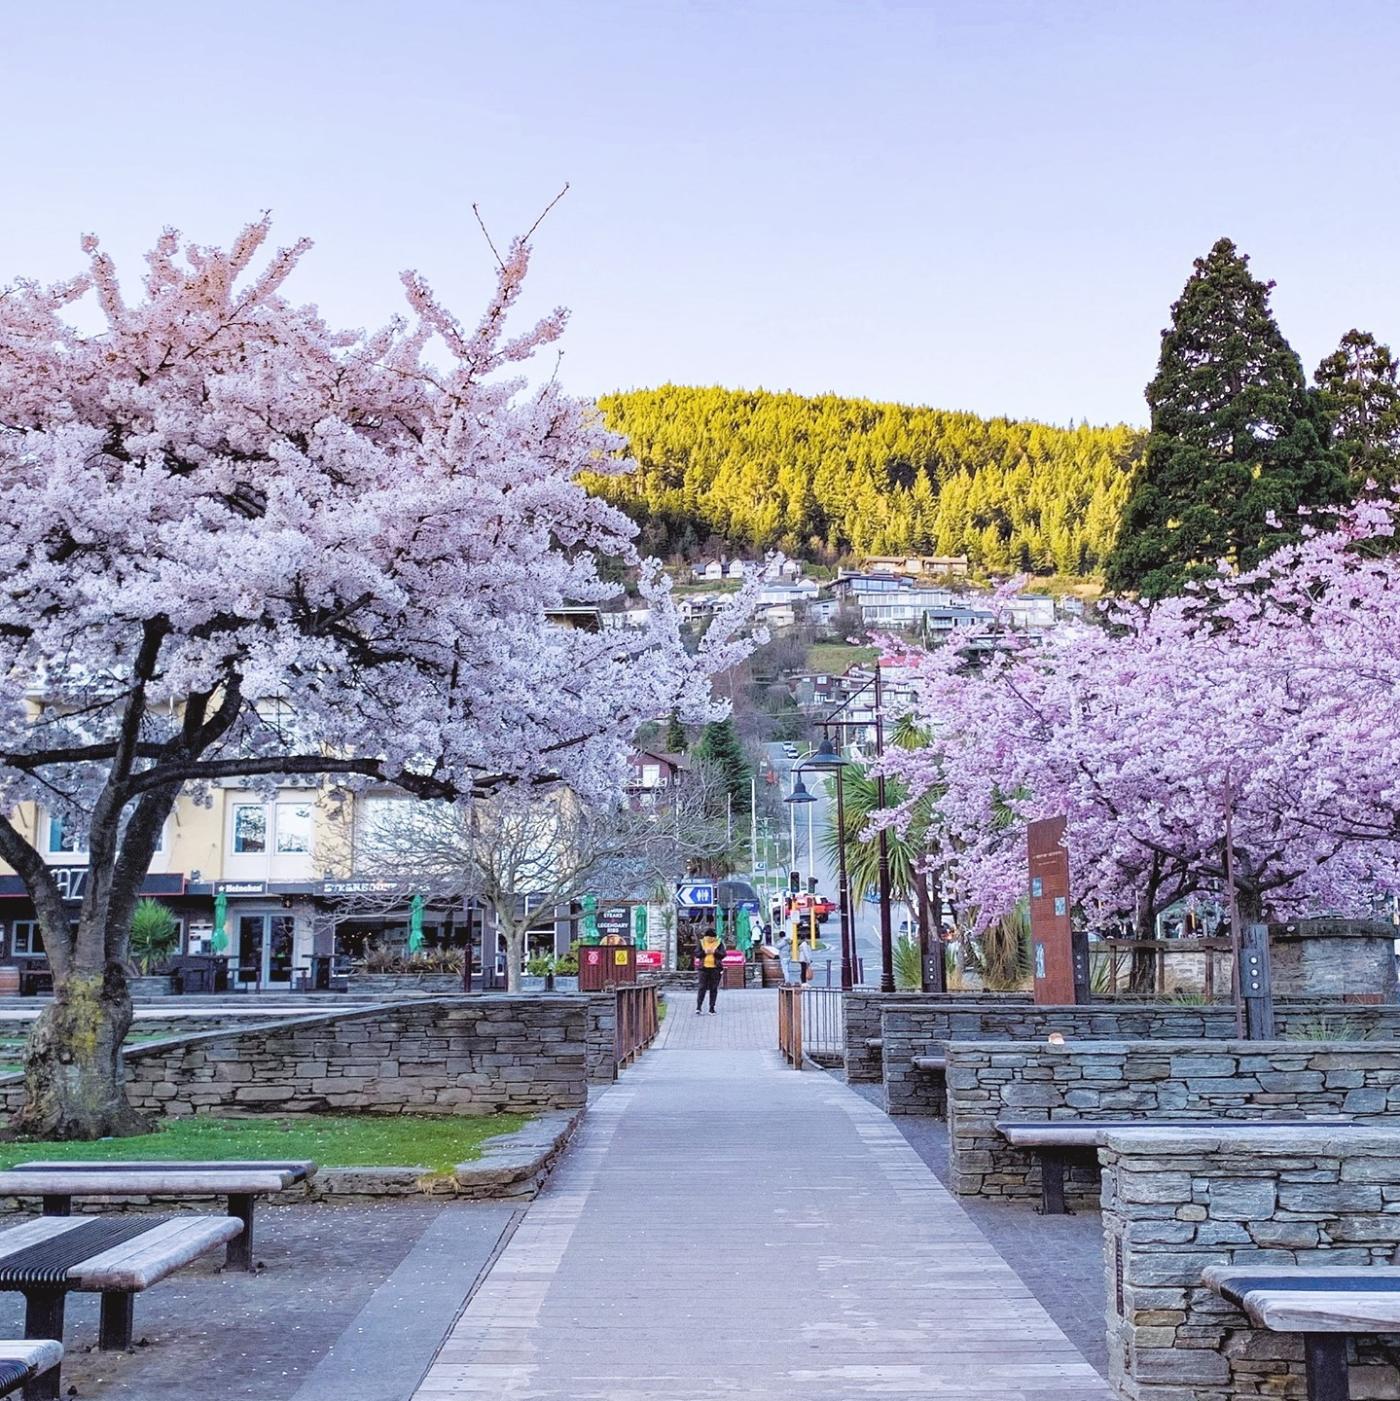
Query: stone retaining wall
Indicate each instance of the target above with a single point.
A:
(480, 1055)
(1145, 1080)
(602, 1038)
(1173, 1206)
(924, 1028)
(864, 1008)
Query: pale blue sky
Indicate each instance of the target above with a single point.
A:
(986, 206)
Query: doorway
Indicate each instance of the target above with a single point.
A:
(265, 945)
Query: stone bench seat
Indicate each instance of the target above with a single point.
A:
(57, 1183)
(930, 1065)
(1325, 1304)
(22, 1360)
(1056, 1142)
(50, 1257)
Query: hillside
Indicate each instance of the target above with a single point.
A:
(829, 477)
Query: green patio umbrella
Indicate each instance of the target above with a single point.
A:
(588, 925)
(218, 940)
(415, 924)
(744, 933)
(719, 923)
(639, 926)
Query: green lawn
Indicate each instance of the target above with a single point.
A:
(437, 1141)
(828, 658)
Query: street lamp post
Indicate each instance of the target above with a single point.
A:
(883, 846)
(882, 840)
(826, 760)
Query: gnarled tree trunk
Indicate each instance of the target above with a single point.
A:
(74, 1076)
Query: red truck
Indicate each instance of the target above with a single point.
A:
(804, 904)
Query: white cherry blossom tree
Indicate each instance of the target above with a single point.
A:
(238, 543)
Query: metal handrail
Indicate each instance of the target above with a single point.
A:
(810, 1019)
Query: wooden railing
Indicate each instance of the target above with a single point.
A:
(811, 1021)
(790, 1024)
(637, 1022)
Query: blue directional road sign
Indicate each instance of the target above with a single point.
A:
(696, 895)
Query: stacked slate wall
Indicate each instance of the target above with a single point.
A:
(1175, 1205)
(924, 1028)
(1147, 1081)
(479, 1055)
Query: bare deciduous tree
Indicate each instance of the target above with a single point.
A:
(524, 854)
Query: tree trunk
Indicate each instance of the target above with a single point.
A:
(74, 1075)
(1142, 970)
(515, 957)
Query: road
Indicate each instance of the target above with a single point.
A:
(820, 815)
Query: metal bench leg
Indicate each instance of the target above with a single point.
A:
(1326, 1357)
(239, 1255)
(1052, 1184)
(58, 1206)
(114, 1326)
(43, 1318)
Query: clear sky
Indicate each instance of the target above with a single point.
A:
(982, 205)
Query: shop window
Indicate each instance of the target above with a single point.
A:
(249, 828)
(25, 939)
(293, 827)
(67, 834)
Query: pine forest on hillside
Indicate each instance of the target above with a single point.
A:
(829, 477)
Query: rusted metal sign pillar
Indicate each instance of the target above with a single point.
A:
(1061, 960)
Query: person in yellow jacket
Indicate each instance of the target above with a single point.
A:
(711, 963)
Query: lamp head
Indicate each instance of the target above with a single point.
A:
(799, 793)
(826, 756)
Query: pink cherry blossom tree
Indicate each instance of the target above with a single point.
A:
(236, 542)
(1272, 697)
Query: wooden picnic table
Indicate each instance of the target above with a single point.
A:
(240, 1183)
(50, 1257)
(1326, 1304)
(21, 1360)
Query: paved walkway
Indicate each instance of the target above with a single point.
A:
(727, 1229)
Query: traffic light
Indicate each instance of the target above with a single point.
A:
(795, 882)
(811, 885)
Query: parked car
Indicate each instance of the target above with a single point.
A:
(790, 750)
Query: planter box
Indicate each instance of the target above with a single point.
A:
(390, 984)
(149, 986)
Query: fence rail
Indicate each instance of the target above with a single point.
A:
(811, 1021)
(636, 1024)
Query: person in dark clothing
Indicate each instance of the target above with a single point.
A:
(711, 971)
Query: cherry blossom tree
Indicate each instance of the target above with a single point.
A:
(1271, 698)
(235, 542)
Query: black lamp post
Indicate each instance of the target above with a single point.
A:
(827, 760)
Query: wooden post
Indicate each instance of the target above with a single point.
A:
(1051, 941)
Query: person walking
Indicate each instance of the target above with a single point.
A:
(711, 971)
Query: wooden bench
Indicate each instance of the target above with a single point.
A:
(240, 1183)
(1326, 1305)
(22, 1360)
(1058, 1143)
(50, 1257)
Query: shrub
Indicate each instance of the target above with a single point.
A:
(154, 935)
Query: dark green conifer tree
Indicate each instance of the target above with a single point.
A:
(1361, 399)
(677, 740)
(719, 744)
(1236, 437)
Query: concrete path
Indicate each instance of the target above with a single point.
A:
(728, 1229)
